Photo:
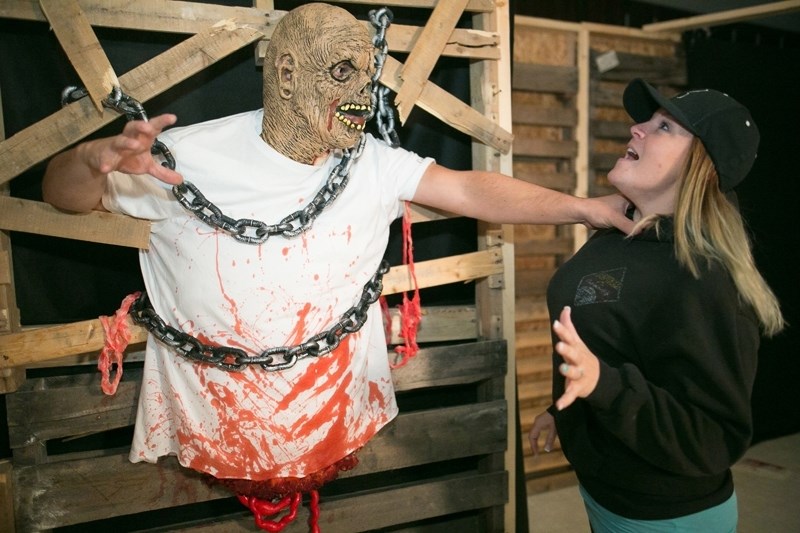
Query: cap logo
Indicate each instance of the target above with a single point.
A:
(687, 93)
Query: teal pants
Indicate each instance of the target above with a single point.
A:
(720, 519)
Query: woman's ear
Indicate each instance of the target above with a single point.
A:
(286, 67)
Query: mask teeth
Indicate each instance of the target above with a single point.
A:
(349, 123)
(356, 107)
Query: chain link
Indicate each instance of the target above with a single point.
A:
(271, 359)
(384, 113)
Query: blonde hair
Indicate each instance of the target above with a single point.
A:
(708, 227)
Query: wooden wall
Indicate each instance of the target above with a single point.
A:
(569, 129)
(444, 463)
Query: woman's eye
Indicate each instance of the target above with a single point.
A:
(664, 125)
(342, 71)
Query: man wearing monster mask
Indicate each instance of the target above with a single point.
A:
(263, 433)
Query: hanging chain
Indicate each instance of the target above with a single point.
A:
(271, 359)
(384, 113)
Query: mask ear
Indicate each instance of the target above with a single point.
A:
(286, 69)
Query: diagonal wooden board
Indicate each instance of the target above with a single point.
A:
(77, 120)
(426, 52)
(452, 111)
(79, 42)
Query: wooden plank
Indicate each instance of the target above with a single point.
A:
(604, 129)
(10, 378)
(75, 34)
(472, 44)
(471, 362)
(427, 49)
(56, 494)
(6, 496)
(73, 122)
(530, 147)
(475, 6)
(655, 69)
(545, 116)
(17, 214)
(5, 268)
(438, 324)
(545, 78)
(396, 506)
(725, 17)
(63, 406)
(413, 503)
(170, 17)
(68, 406)
(453, 269)
(451, 110)
(175, 16)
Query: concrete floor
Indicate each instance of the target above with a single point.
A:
(767, 482)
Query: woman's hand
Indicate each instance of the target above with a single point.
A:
(581, 368)
(544, 423)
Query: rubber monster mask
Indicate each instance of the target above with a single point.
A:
(318, 73)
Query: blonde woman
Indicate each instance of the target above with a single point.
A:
(656, 334)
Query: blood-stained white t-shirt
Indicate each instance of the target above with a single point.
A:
(257, 424)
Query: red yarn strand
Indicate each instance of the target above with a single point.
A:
(117, 337)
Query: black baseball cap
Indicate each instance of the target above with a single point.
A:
(725, 126)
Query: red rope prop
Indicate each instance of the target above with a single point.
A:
(117, 337)
(264, 509)
(410, 310)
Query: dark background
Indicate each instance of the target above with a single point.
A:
(60, 280)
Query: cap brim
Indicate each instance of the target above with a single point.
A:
(641, 100)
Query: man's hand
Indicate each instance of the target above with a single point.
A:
(607, 211)
(129, 152)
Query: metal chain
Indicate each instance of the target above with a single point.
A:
(252, 231)
(384, 113)
(271, 359)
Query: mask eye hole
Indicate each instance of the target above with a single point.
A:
(342, 71)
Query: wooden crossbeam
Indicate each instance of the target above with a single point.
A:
(79, 42)
(476, 6)
(17, 214)
(169, 17)
(451, 110)
(427, 50)
(39, 345)
(725, 17)
(77, 120)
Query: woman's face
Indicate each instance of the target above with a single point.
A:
(649, 172)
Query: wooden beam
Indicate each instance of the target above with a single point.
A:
(725, 17)
(451, 110)
(77, 120)
(153, 15)
(44, 344)
(475, 6)
(170, 17)
(426, 52)
(79, 42)
(17, 214)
